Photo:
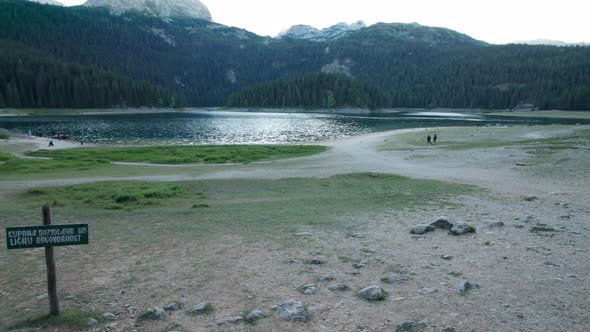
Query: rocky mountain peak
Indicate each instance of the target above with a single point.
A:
(310, 33)
(159, 8)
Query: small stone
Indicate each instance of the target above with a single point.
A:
(255, 315)
(461, 229)
(395, 280)
(442, 223)
(41, 297)
(292, 310)
(542, 228)
(91, 322)
(372, 293)
(361, 264)
(231, 320)
(153, 314)
(172, 307)
(487, 243)
(202, 308)
(338, 287)
(427, 290)
(519, 315)
(308, 289)
(358, 235)
(446, 257)
(325, 278)
(303, 234)
(463, 286)
(368, 251)
(108, 316)
(314, 261)
(530, 198)
(528, 219)
(492, 226)
(421, 229)
(448, 329)
(411, 326)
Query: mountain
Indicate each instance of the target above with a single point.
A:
(48, 2)
(204, 63)
(549, 42)
(159, 8)
(307, 32)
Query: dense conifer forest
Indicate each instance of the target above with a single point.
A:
(312, 90)
(152, 61)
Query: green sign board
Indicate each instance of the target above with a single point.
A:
(46, 236)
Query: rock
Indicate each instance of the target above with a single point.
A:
(108, 316)
(492, 225)
(307, 32)
(463, 286)
(411, 326)
(308, 289)
(153, 314)
(303, 234)
(542, 228)
(528, 219)
(202, 308)
(255, 315)
(41, 296)
(314, 261)
(172, 307)
(325, 278)
(292, 310)
(395, 280)
(448, 329)
(446, 257)
(231, 320)
(442, 223)
(338, 287)
(362, 264)
(530, 198)
(372, 293)
(368, 251)
(427, 290)
(519, 315)
(461, 229)
(358, 235)
(421, 229)
(91, 322)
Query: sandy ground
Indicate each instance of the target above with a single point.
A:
(527, 281)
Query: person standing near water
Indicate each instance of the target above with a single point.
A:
(428, 139)
(434, 139)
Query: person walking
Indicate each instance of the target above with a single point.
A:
(429, 139)
(434, 139)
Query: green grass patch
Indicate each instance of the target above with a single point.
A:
(5, 156)
(212, 154)
(107, 195)
(3, 135)
(29, 166)
(71, 318)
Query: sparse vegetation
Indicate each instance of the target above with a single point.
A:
(68, 318)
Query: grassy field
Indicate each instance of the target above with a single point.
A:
(97, 161)
(546, 114)
(173, 154)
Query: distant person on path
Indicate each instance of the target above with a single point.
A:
(50, 143)
(434, 139)
(428, 139)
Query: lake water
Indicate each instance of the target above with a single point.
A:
(243, 127)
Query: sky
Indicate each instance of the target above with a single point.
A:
(498, 21)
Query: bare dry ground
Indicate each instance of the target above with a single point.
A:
(252, 247)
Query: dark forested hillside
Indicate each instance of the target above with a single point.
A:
(205, 62)
(32, 80)
(312, 91)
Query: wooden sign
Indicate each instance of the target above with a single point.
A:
(46, 236)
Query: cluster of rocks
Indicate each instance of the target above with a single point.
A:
(443, 223)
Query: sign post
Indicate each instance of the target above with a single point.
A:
(47, 236)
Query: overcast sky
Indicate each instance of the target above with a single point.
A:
(497, 21)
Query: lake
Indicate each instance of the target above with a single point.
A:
(229, 127)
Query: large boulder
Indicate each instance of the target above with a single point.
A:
(372, 293)
(292, 310)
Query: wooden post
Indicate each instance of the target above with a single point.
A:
(51, 274)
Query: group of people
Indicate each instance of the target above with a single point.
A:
(431, 139)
